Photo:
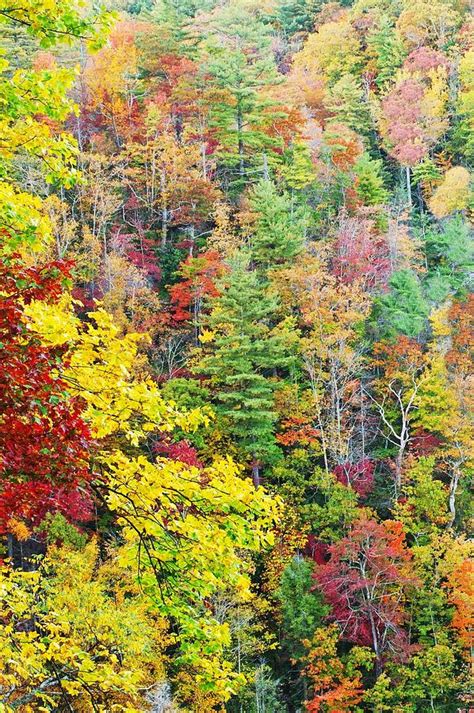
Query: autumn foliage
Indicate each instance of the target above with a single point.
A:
(235, 356)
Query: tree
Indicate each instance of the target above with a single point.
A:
(240, 355)
(361, 253)
(403, 310)
(424, 503)
(401, 366)
(296, 16)
(330, 314)
(453, 194)
(449, 254)
(78, 633)
(166, 510)
(167, 181)
(422, 22)
(346, 102)
(414, 112)
(276, 227)
(370, 184)
(462, 134)
(301, 608)
(44, 440)
(366, 581)
(386, 46)
(336, 685)
(359, 476)
(198, 278)
(332, 51)
(237, 55)
(402, 113)
(112, 87)
(441, 410)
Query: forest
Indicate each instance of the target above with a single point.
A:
(236, 319)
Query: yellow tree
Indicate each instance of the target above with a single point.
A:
(167, 179)
(453, 194)
(331, 313)
(33, 105)
(77, 635)
(168, 512)
(332, 51)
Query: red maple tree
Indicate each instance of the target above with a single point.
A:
(44, 442)
(365, 581)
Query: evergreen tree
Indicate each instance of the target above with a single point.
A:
(301, 608)
(369, 187)
(279, 230)
(240, 360)
(297, 15)
(451, 248)
(387, 46)
(172, 10)
(346, 101)
(404, 309)
(450, 259)
(239, 59)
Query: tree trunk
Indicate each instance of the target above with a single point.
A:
(203, 160)
(240, 126)
(24, 553)
(398, 471)
(408, 181)
(266, 173)
(164, 210)
(452, 495)
(256, 474)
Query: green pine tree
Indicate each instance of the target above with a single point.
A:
(370, 188)
(404, 309)
(449, 252)
(280, 228)
(239, 60)
(301, 608)
(241, 360)
(297, 15)
(387, 47)
(346, 101)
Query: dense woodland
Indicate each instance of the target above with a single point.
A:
(235, 356)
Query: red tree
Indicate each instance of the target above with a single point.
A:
(44, 442)
(361, 252)
(365, 581)
(198, 280)
(359, 476)
(403, 113)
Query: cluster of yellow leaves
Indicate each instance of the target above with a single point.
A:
(22, 219)
(111, 76)
(331, 51)
(450, 558)
(466, 94)
(186, 527)
(103, 372)
(57, 20)
(77, 631)
(441, 409)
(424, 21)
(26, 97)
(453, 193)
(33, 104)
(425, 503)
(437, 404)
